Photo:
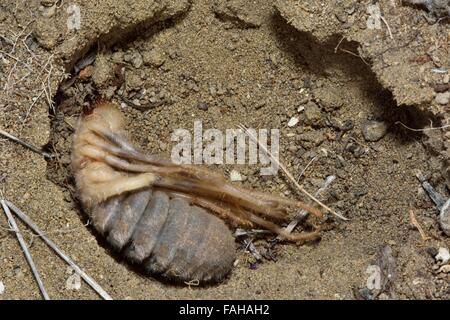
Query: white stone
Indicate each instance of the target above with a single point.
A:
(443, 256)
(235, 176)
(293, 122)
(2, 288)
(444, 218)
(443, 98)
(290, 135)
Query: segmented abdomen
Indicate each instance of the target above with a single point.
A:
(167, 236)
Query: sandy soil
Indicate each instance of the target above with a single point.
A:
(170, 63)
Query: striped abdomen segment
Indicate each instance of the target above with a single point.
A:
(167, 236)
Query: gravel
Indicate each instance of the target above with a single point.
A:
(374, 130)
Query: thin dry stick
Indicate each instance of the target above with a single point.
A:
(338, 45)
(306, 168)
(16, 59)
(289, 175)
(421, 130)
(303, 213)
(20, 35)
(24, 247)
(32, 105)
(252, 232)
(94, 285)
(252, 249)
(416, 224)
(7, 85)
(354, 54)
(387, 25)
(49, 100)
(25, 144)
(43, 68)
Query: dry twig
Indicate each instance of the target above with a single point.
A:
(252, 249)
(306, 168)
(24, 247)
(303, 214)
(290, 177)
(94, 285)
(422, 130)
(25, 144)
(388, 27)
(416, 224)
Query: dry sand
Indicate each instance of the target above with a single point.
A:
(227, 63)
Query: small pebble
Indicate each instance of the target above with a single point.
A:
(235, 176)
(48, 3)
(347, 125)
(443, 98)
(136, 60)
(316, 182)
(443, 256)
(203, 106)
(340, 162)
(17, 272)
(2, 288)
(86, 73)
(444, 218)
(430, 250)
(293, 122)
(154, 58)
(47, 11)
(446, 78)
(364, 294)
(392, 242)
(102, 72)
(313, 115)
(374, 130)
(445, 269)
(212, 90)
